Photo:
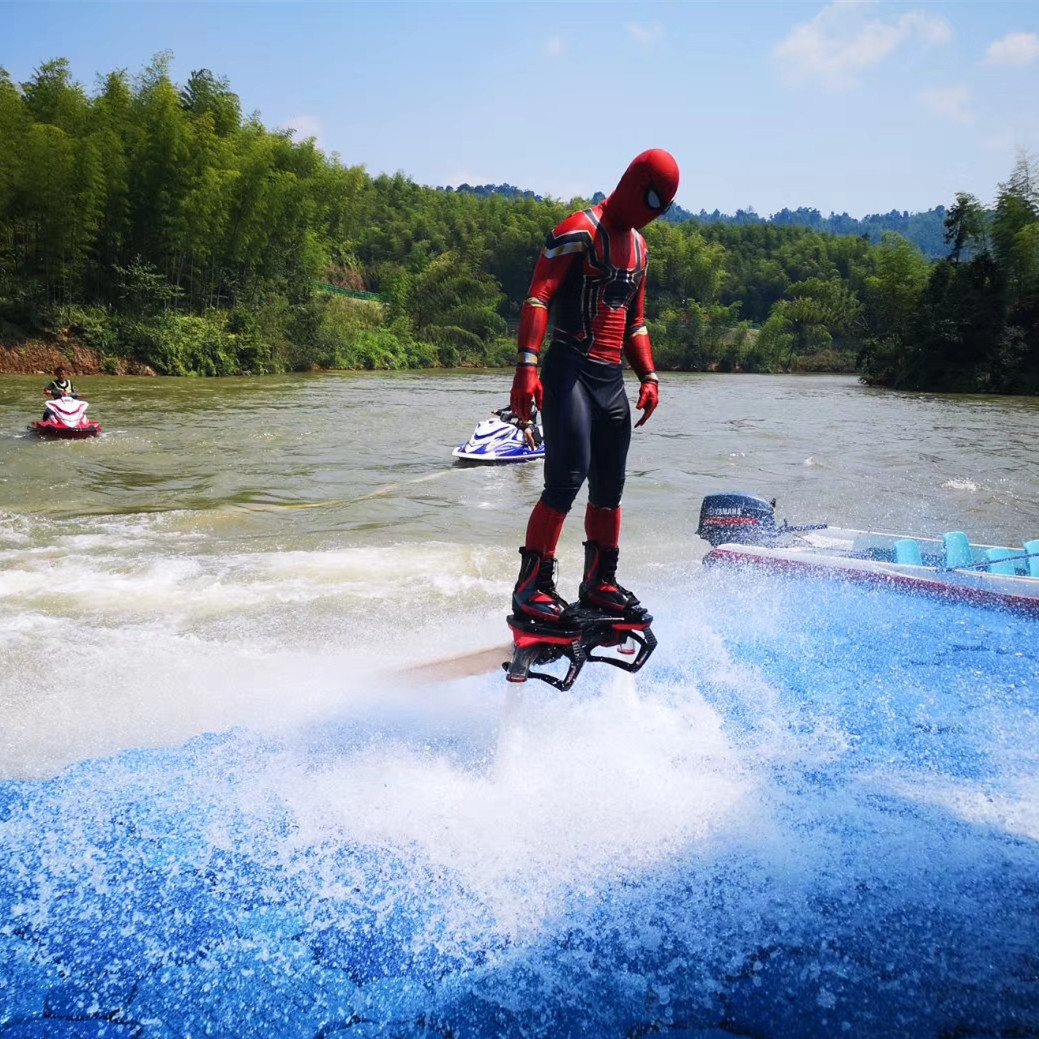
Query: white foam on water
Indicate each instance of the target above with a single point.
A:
(15, 530)
(119, 579)
(960, 485)
(1014, 811)
(530, 798)
(105, 650)
(572, 792)
(147, 688)
(552, 793)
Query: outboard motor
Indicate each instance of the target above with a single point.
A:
(737, 518)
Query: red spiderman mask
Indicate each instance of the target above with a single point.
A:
(645, 191)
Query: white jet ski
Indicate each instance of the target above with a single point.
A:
(495, 440)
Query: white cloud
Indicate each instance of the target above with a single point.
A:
(646, 35)
(952, 103)
(554, 47)
(842, 40)
(305, 126)
(1015, 49)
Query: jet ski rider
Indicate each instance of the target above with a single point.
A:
(60, 386)
(592, 269)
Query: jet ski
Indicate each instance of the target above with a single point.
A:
(494, 440)
(65, 419)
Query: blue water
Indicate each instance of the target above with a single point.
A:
(813, 814)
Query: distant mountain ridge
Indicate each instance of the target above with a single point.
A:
(925, 230)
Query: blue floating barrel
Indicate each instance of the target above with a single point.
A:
(997, 557)
(1032, 549)
(908, 551)
(957, 549)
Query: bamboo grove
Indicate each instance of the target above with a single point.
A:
(158, 222)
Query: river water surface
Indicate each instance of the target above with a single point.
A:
(227, 807)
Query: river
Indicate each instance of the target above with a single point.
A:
(227, 808)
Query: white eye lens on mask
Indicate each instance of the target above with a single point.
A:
(653, 199)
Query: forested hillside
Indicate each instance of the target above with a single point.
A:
(153, 221)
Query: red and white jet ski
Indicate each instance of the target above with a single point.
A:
(66, 419)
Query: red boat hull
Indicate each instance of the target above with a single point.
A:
(756, 558)
(59, 432)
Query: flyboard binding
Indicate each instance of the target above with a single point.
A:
(536, 644)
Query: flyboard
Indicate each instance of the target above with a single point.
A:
(534, 646)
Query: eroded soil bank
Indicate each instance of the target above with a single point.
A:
(41, 357)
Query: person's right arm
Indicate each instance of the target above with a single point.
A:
(567, 241)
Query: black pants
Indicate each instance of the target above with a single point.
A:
(587, 423)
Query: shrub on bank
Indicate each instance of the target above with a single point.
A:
(189, 345)
(268, 334)
(92, 326)
(827, 360)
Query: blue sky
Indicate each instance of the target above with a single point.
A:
(853, 106)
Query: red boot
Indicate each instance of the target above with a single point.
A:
(600, 590)
(535, 598)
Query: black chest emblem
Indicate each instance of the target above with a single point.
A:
(616, 285)
(620, 286)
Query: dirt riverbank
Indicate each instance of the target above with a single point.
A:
(41, 357)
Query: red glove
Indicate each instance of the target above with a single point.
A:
(525, 384)
(649, 398)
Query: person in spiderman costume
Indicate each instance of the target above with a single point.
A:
(592, 269)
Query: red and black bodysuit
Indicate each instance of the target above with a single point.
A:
(592, 273)
(595, 277)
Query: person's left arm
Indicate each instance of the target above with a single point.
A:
(639, 352)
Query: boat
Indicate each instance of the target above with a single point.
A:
(66, 420)
(495, 440)
(742, 532)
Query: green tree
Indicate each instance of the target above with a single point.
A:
(893, 291)
(206, 94)
(1016, 211)
(456, 306)
(53, 97)
(965, 226)
(13, 124)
